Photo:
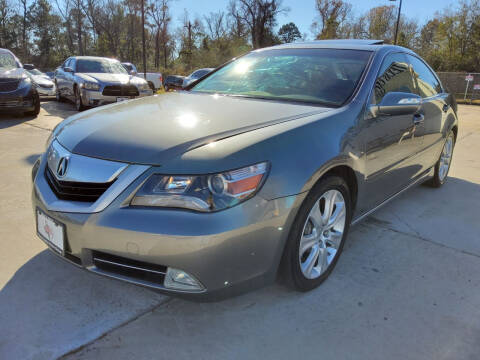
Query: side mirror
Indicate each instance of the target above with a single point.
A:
(133, 72)
(28, 66)
(399, 103)
(68, 69)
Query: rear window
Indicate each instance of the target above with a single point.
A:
(323, 76)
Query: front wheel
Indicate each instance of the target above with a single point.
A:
(318, 234)
(442, 167)
(78, 100)
(36, 102)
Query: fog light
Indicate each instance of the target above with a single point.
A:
(180, 280)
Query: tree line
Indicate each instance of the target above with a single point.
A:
(47, 32)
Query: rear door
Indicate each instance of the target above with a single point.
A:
(390, 140)
(70, 79)
(434, 107)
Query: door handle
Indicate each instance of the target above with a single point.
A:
(418, 119)
(445, 107)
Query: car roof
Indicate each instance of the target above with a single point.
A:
(6, 51)
(92, 58)
(348, 44)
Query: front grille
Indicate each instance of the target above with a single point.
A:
(9, 103)
(8, 85)
(75, 191)
(137, 270)
(120, 90)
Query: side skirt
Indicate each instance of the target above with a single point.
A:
(428, 173)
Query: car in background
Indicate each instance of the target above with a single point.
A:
(197, 74)
(91, 81)
(50, 74)
(45, 85)
(173, 82)
(154, 80)
(18, 93)
(256, 171)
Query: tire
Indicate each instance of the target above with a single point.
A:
(442, 167)
(78, 100)
(36, 111)
(303, 232)
(151, 86)
(58, 97)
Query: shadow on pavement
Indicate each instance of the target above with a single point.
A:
(30, 159)
(50, 307)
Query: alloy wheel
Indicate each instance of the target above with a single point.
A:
(445, 158)
(322, 234)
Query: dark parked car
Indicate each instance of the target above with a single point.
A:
(18, 93)
(173, 82)
(197, 74)
(258, 170)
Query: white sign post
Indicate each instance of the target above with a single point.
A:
(468, 78)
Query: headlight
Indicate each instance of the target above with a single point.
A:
(90, 85)
(143, 87)
(203, 192)
(26, 81)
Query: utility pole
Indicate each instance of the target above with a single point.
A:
(398, 22)
(189, 28)
(143, 41)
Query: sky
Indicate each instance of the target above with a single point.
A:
(302, 12)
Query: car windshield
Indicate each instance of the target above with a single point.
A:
(7, 61)
(323, 76)
(35, 72)
(100, 66)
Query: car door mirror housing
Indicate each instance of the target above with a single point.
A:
(68, 69)
(398, 103)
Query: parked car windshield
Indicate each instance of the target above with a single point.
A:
(100, 66)
(7, 61)
(324, 76)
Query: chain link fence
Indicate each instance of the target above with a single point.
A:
(465, 86)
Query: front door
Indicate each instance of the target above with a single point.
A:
(391, 140)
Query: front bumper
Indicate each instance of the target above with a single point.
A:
(228, 252)
(44, 91)
(96, 98)
(18, 101)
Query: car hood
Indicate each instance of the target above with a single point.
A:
(154, 129)
(42, 80)
(15, 73)
(110, 78)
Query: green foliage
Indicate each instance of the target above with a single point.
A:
(289, 33)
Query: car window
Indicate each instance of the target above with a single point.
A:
(128, 67)
(324, 76)
(199, 73)
(394, 76)
(7, 61)
(100, 66)
(427, 83)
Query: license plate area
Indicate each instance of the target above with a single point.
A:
(51, 231)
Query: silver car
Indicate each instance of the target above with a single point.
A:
(248, 175)
(45, 85)
(91, 81)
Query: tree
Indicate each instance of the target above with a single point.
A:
(289, 33)
(260, 17)
(332, 15)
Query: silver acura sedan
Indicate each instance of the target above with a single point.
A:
(255, 171)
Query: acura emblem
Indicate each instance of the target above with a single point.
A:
(62, 167)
